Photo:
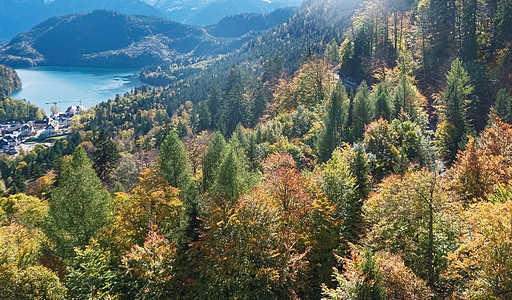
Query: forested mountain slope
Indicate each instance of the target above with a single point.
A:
(9, 81)
(110, 39)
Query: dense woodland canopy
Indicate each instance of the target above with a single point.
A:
(359, 151)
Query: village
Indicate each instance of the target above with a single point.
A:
(17, 136)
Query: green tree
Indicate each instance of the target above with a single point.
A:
(338, 184)
(259, 104)
(90, 272)
(362, 279)
(503, 106)
(79, 205)
(362, 111)
(469, 43)
(229, 184)
(106, 157)
(212, 159)
(382, 102)
(503, 21)
(175, 168)
(454, 112)
(335, 121)
(174, 162)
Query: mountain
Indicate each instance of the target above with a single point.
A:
(9, 81)
(111, 39)
(17, 16)
(208, 12)
(238, 25)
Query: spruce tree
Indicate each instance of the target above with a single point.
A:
(469, 44)
(174, 162)
(175, 168)
(79, 205)
(259, 104)
(362, 111)
(212, 159)
(503, 106)
(335, 122)
(455, 111)
(229, 184)
(106, 157)
(382, 102)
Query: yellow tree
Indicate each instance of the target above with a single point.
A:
(414, 216)
(483, 262)
(152, 203)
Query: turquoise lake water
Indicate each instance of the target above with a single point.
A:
(68, 85)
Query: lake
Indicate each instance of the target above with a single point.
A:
(69, 85)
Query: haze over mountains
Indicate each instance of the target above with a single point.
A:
(110, 39)
(17, 16)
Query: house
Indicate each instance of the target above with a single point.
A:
(11, 141)
(12, 130)
(4, 146)
(74, 110)
(26, 130)
(41, 124)
(49, 130)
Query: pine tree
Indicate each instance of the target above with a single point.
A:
(212, 159)
(362, 111)
(382, 102)
(79, 205)
(335, 122)
(454, 112)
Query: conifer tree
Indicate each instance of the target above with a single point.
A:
(79, 205)
(335, 121)
(106, 157)
(469, 44)
(229, 184)
(382, 102)
(503, 106)
(212, 159)
(259, 105)
(214, 102)
(362, 111)
(174, 162)
(175, 168)
(452, 134)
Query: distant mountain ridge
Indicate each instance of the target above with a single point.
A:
(111, 39)
(238, 25)
(17, 16)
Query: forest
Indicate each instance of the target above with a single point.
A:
(362, 150)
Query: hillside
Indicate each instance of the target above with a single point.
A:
(208, 12)
(9, 81)
(238, 25)
(17, 16)
(111, 39)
